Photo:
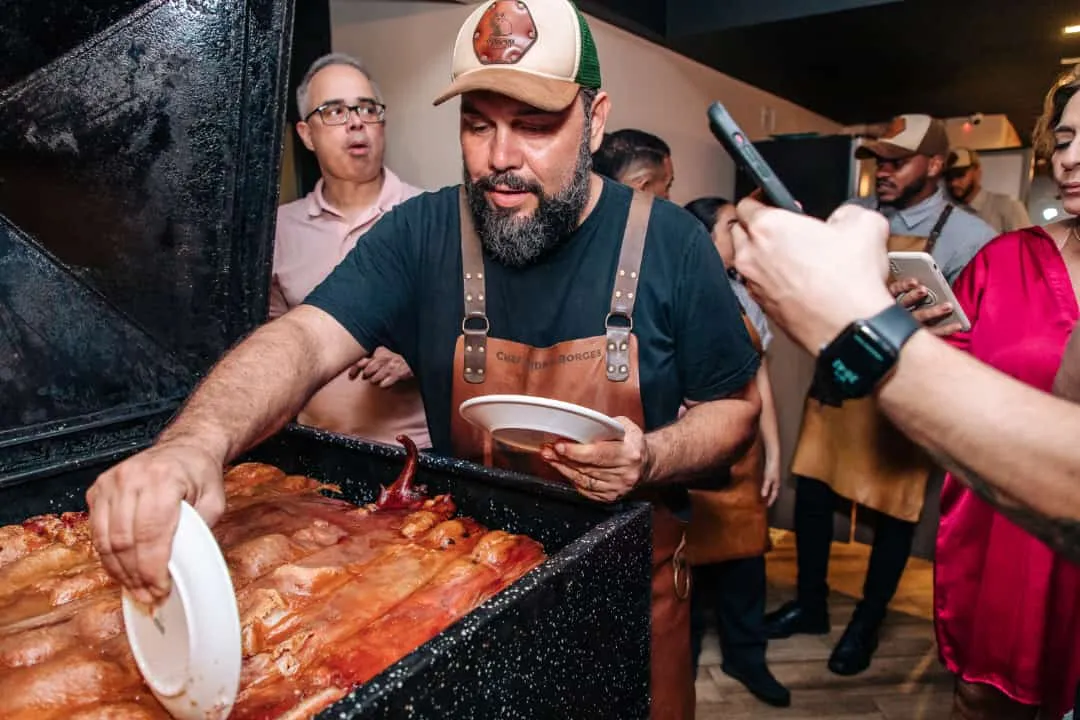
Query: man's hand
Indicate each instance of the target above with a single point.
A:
(770, 486)
(813, 278)
(135, 508)
(604, 471)
(382, 368)
(910, 294)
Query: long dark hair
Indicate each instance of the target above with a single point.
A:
(707, 210)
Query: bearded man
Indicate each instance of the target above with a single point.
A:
(536, 276)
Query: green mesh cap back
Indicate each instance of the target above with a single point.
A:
(588, 74)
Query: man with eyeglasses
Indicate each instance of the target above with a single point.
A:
(343, 123)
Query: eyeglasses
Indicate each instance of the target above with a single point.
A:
(337, 112)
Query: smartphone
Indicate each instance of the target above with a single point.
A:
(746, 156)
(921, 266)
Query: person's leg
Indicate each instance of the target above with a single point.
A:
(740, 618)
(815, 503)
(701, 606)
(978, 701)
(888, 558)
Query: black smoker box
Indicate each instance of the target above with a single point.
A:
(139, 158)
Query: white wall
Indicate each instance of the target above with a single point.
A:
(651, 88)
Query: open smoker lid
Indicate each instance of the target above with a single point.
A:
(139, 154)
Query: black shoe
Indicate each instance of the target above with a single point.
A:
(761, 684)
(857, 645)
(792, 619)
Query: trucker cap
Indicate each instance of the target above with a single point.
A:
(962, 159)
(906, 136)
(540, 52)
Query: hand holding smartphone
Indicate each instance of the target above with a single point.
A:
(921, 267)
(746, 157)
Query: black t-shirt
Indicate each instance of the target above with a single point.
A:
(401, 287)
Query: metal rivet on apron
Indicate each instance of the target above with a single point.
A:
(468, 276)
(468, 298)
(621, 273)
(611, 368)
(479, 276)
(480, 371)
(633, 274)
(622, 346)
(618, 293)
(481, 348)
(629, 296)
(611, 346)
(622, 368)
(480, 298)
(468, 348)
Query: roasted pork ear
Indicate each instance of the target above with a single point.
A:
(402, 495)
(329, 595)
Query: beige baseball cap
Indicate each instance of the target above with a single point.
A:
(539, 52)
(906, 136)
(962, 159)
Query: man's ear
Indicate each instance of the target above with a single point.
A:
(304, 131)
(935, 166)
(600, 109)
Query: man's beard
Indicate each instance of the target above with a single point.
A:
(520, 242)
(907, 196)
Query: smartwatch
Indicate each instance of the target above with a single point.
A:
(852, 365)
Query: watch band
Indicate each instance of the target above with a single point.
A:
(892, 327)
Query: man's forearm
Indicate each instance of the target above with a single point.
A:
(709, 436)
(254, 390)
(1014, 446)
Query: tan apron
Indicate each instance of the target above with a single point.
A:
(732, 523)
(601, 373)
(856, 450)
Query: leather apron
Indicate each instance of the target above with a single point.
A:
(600, 373)
(732, 523)
(856, 450)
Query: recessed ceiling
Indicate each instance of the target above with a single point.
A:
(944, 57)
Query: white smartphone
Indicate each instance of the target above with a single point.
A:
(921, 266)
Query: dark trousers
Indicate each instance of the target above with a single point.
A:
(815, 503)
(734, 591)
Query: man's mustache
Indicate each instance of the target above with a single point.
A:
(508, 181)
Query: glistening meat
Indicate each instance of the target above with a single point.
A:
(330, 595)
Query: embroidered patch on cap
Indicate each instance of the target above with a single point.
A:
(504, 34)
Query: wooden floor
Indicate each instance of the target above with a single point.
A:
(905, 681)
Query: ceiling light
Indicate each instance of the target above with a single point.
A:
(1072, 29)
(1050, 213)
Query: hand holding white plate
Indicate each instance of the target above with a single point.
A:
(188, 647)
(528, 423)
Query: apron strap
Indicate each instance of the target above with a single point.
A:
(938, 227)
(474, 325)
(619, 322)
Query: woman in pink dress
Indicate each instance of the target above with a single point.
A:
(1007, 608)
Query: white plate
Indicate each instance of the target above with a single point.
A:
(527, 423)
(188, 648)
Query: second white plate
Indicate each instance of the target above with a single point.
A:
(527, 423)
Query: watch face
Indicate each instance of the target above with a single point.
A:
(855, 362)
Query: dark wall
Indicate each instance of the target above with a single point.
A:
(139, 168)
(311, 39)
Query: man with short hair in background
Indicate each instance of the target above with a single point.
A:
(854, 452)
(963, 178)
(638, 159)
(343, 121)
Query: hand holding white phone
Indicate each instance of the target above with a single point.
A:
(921, 267)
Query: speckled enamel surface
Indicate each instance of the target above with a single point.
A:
(568, 640)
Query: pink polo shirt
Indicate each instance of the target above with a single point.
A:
(312, 238)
